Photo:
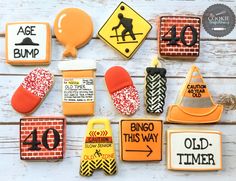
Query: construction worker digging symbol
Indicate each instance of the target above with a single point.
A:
(127, 23)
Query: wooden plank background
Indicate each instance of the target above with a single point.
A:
(217, 63)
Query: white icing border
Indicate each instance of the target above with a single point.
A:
(77, 65)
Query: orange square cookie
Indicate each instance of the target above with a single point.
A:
(28, 43)
(141, 140)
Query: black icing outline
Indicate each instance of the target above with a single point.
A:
(159, 34)
(153, 70)
(136, 120)
(128, 57)
(62, 139)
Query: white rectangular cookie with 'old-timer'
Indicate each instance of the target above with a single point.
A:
(194, 150)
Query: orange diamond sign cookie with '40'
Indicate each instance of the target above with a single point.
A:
(125, 30)
(141, 140)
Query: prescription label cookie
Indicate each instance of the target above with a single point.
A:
(78, 90)
(28, 43)
(78, 87)
(194, 150)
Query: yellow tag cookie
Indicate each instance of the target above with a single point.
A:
(98, 150)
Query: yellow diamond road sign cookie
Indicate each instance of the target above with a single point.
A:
(125, 30)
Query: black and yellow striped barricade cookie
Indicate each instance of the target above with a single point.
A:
(98, 149)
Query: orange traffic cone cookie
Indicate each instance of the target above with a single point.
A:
(122, 90)
(73, 28)
(194, 104)
(32, 91)
(98, 150)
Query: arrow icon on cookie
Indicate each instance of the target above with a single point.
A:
(149, 151)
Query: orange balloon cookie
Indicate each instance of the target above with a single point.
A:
(73, 28)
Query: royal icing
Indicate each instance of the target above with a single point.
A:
(38, 82)
(42, 138)
(126, 100)
(194, 150)
(98, 150)
(28, 43)
(194, 103)
(155, 89)
(73, 28)
(125, 30)
(179, 36)
(140, 139)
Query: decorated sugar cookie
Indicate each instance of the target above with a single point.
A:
(194, 150)
(98, 150)
(73, 28)
(155, 88)
(194, 104)
(179, 36)
(42, 138)
(122, 90)
(140, 140)
(125, 30)
(28, 43)
(32, 91)
(78, 87)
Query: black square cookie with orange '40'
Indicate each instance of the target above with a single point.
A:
(179, 36)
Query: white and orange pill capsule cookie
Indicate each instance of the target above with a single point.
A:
(122, 90)
(32, 91)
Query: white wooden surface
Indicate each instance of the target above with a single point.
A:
(217, 63)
